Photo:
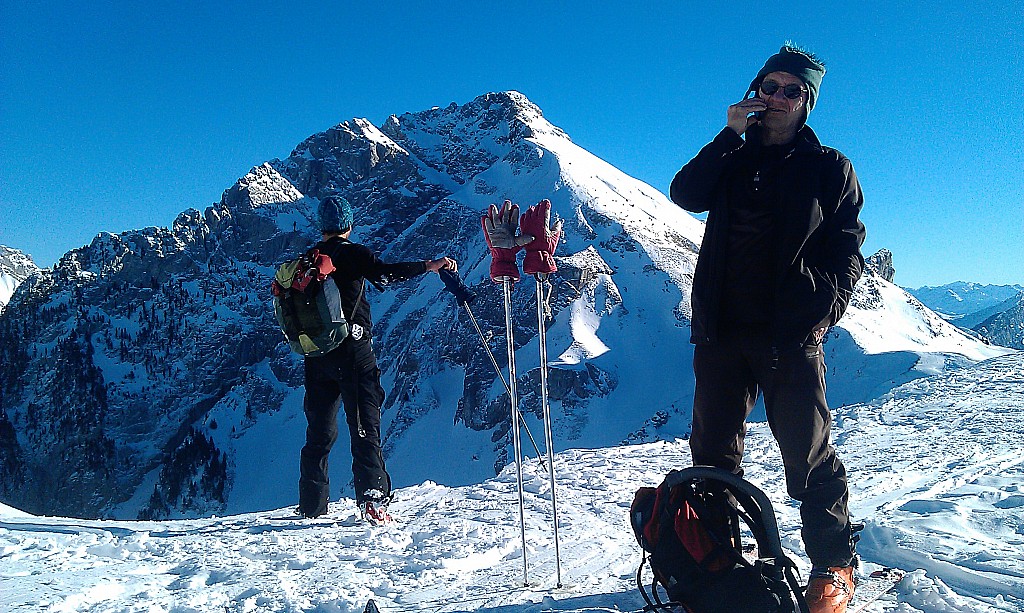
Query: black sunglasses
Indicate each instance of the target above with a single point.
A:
(791, 91)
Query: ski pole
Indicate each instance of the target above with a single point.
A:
(497, 369)
(516, 442)
(464, 295)
(542, 308)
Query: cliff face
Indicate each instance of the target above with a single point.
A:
(15, 267)
(881, 264)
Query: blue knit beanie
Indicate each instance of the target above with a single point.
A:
(335, 214)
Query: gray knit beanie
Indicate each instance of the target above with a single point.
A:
(799, 63)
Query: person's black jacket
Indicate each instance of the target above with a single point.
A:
(354, 263)
(818, 231)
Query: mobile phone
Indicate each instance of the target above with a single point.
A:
(757, 114)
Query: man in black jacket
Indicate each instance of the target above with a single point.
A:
(777, 267)
(349, 375)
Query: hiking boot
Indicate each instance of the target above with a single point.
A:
(376, 512)
(830, 590)
(305, 515)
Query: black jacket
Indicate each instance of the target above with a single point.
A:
(354, 263)
(818, 234)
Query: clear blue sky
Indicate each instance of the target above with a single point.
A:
(118, 115)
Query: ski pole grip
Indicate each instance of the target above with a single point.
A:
(454, 285)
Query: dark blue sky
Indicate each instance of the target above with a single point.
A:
(116, 115)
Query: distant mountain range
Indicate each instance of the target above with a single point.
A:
(1006, 326)
(993, 311)
(956, 300)
(139, 374)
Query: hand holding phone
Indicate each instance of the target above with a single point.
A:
(745, 113)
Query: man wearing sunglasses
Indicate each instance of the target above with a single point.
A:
(777, 267)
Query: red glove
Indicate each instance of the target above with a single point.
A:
(540, 251)
(500, 234)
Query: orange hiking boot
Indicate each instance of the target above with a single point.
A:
(830, 590)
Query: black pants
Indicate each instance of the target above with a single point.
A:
(348, 375)
(729, 375)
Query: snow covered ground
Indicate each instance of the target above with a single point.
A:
(936, 467)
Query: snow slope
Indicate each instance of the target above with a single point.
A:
(935, 467)
(887, 338)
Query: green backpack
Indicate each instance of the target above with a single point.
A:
(307, 304)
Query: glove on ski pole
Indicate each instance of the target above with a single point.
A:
(540, 251)
(500, 234)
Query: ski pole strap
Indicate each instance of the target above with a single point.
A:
(454, 285)
(543, 279)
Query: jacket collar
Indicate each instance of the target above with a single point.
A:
(805, 143)
(333, 239)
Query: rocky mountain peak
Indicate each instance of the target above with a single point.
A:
(16, 264)
(463, 140)
(501, 111)
(15, 267)
(261, 187)
(356, 145)
(881, 264)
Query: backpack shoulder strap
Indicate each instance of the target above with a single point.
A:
(362, 280)
(737, 484)
(355, 305)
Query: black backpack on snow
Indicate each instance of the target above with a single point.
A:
(691, 527)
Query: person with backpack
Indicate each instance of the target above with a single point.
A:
(348, 374)
(777, 268)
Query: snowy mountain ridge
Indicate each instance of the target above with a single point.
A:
(994, 312)
(869, 348)
(142, 372)
(1006, 326)
(956, 300)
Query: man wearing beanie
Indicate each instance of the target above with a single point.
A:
(777, 267)
(349, 375)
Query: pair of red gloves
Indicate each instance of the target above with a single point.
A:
(534, 236)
